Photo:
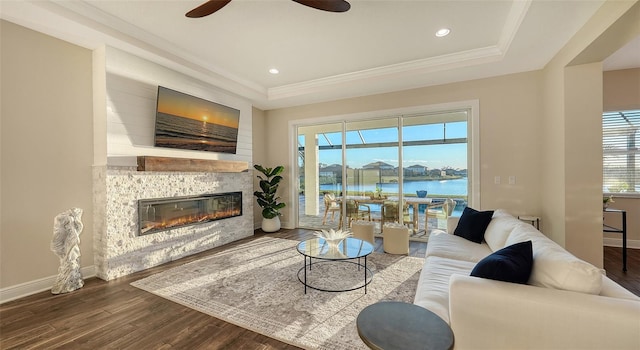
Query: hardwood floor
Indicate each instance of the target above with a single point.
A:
(116, 315)
(613, 265)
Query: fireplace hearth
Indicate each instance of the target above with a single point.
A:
(161, 214)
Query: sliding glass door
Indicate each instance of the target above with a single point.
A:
(319, 175)
(435, 162)
(372, 162)
(408, 169)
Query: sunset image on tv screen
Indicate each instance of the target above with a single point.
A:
(188, 122)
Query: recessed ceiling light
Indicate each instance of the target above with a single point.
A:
(274, 71)
(443, 32)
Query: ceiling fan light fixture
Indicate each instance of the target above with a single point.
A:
(212, 6)
(443, 32)
(327, 5)
(207, 8)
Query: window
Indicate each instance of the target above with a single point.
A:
(384, 158)
(620, 140)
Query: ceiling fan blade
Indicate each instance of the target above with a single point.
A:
(207, 8)
(327, 5)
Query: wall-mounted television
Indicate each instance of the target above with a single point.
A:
(188, 122)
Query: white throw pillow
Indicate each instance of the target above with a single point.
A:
(554, 267)
(499, 229)
(501, 212)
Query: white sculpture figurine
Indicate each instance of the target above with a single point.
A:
(67, 227)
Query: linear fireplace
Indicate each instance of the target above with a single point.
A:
(155, 215)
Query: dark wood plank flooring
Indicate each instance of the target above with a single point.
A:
(114, 315)
(613, 265)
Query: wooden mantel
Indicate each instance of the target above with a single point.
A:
(149, 163)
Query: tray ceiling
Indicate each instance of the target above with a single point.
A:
(375, 47)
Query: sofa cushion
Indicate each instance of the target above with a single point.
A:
(449, 246)
(499, 229)
(472, 224)
(501, 212)
(614, 290)
(509, 264)
(432, 292)
(554, 267)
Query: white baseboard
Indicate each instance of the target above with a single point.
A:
(617, 242)
(32, 287)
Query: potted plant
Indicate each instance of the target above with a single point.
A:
(378, 194)
(267, 199)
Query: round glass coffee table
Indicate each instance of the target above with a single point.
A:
(329, 265)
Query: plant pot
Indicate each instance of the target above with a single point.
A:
(271, 225)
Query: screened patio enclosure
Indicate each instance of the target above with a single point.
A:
(394, 169)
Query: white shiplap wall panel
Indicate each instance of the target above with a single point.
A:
(122, 150)
(244, 140)
(130, 101)
(132, 85)
(243, 148)
(128, 140)
(121, 128)
(132, 130)
(134, 114)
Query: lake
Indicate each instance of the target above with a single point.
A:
(433, 188)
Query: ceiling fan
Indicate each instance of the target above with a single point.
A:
(212, 6)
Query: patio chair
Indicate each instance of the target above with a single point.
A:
(331, 205)
(440, 212)
(356, 211)
(390, 213)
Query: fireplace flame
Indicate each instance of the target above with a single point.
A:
(172, 216)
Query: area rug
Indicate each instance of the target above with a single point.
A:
(255, 286)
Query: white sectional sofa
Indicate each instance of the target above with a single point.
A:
(567, 303)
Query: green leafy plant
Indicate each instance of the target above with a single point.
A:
(606, 201)
(266, 198)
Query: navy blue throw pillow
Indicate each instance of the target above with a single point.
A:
(509, 264)
(472, 224)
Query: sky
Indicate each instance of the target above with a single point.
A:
(186, 106)
(432, 156)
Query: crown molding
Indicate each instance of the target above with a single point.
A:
(514, 19)
(74, 17)
(467, 58)
(82, 24)
(413, 68)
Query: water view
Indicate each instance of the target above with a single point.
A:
(434, 188)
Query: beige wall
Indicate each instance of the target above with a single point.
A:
(572, 104)
(622, 92)
(583, 161)
(509, 133)
(553, 155)
(259, 156)
(46, 149)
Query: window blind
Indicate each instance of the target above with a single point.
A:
(621, 160)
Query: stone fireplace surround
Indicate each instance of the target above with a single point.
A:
(119, 251)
